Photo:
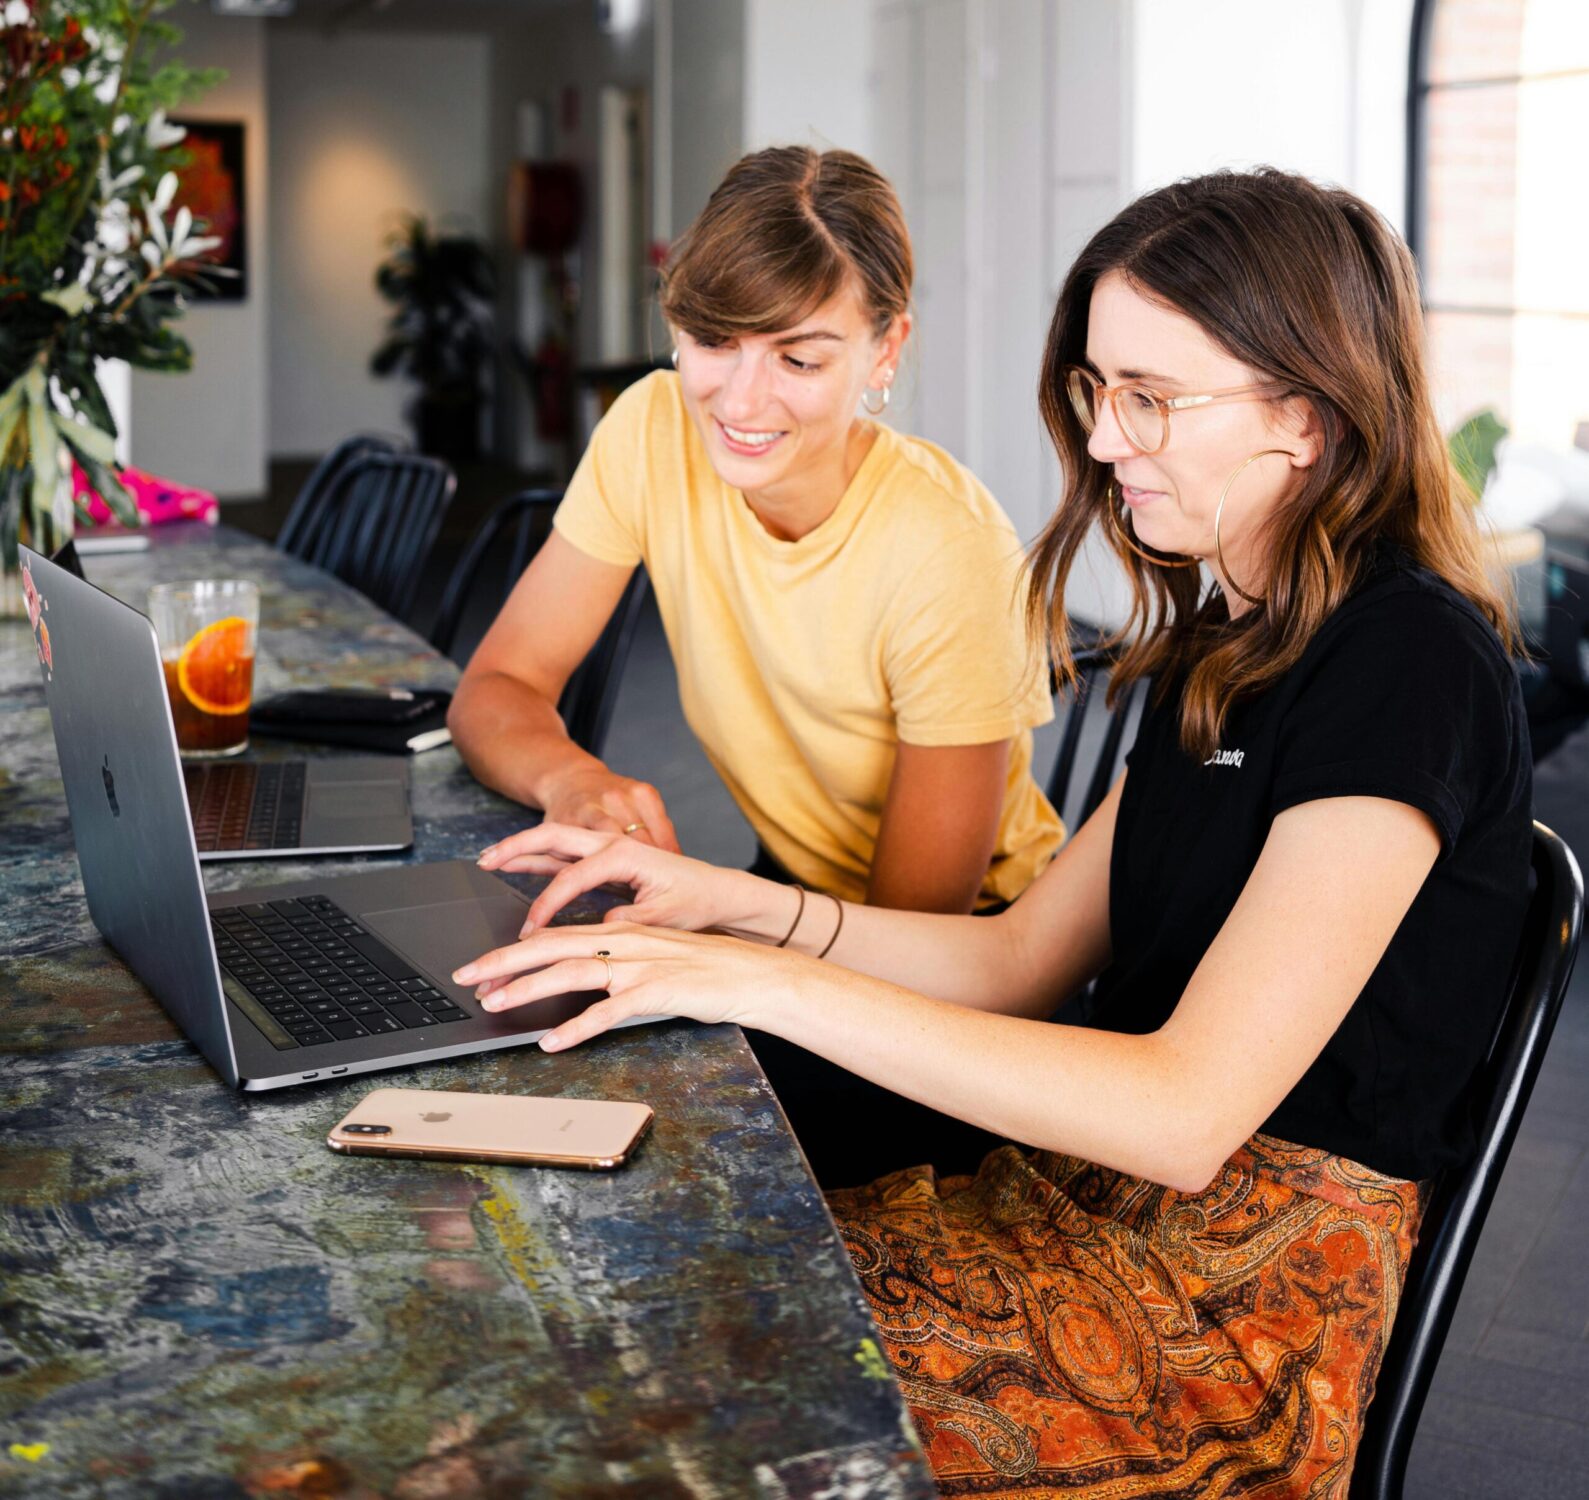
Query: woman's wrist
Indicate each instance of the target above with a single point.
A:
(780, 916)
(759, 910)
(562, 763)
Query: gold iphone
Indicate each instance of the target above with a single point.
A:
(592, 1133)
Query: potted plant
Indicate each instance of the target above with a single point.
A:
(441, 333)
(92, 258)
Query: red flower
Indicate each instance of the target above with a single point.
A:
(27, 135)
(5, 191)
(61, 136)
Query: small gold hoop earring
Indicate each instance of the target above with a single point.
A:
(866, 399)
(1122, 532)
(1219, 511)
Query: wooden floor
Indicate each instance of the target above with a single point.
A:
(1509, 1412)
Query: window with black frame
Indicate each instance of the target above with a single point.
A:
(1498, 209)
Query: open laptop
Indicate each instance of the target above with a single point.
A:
(273, 809)
(275, 985)
(244, 809)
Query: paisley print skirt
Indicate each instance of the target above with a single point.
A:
(1061, 1329)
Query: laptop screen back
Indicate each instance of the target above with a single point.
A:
(129, 811)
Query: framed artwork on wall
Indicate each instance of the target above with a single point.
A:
(211, 185)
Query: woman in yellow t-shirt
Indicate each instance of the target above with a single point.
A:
(840, 599)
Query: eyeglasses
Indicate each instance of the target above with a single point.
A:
(1143, 413)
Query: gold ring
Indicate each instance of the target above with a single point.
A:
(634, 827)
(606, 958)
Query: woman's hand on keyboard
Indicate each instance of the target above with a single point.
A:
(669, 890)
(646, 971)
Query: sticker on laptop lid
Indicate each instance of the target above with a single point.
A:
(37, 604)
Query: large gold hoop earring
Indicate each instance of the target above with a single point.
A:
(1219, 511)
(1124, 535)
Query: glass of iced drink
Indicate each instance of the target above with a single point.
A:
(207, 631)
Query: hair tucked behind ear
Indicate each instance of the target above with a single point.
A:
(1312, 290)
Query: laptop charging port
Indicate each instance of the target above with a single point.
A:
(335, 1071)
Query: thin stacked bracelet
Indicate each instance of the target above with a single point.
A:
(837, 930)
(800, 910)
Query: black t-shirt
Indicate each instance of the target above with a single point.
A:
(1406, 693)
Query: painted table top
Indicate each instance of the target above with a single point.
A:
(201, 1301)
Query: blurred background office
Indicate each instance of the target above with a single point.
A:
(536, 157)
(571, 139)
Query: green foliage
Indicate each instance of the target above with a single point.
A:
(442, 332)
(1472, 448)
(89, 267)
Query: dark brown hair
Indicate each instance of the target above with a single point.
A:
(783, 232)
(1314, 292)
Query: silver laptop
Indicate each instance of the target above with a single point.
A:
(246, 809)
(275, 985)
(273, 809)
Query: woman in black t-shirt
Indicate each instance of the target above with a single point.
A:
(1299, 902)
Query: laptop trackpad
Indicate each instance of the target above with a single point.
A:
(441, 937)
(358, 800)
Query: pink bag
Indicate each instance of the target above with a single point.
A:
(159, 501)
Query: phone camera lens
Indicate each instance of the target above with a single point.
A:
(369, 1129)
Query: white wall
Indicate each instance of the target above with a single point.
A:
(364, 126)
(1015, 128)
(706, 47)
(1241, 83)
(808, 72)
(1003, 125)
(208, 427)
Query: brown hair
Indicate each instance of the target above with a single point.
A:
(1311, 289)
(783, 232)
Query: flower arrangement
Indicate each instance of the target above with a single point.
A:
(93, 261)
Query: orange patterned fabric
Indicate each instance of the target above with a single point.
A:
(1061, 1329)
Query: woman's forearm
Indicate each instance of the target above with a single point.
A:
(512, 738)
(977, 962)
(1026, 961)
(1115, 1099)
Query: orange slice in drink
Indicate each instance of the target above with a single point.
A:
(214, 671)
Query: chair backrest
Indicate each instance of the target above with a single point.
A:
(1093, 736)
(592, 692)
(379, 525)
(1460, 1198)
(514, 532)
(506, 541)
(309, 510)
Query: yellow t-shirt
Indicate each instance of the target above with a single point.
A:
(802, 664)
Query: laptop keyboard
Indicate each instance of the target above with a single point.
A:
(246, 804)
(319, 976)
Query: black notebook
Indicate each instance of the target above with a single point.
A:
(398, 723)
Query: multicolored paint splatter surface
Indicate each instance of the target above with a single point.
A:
(200, 1301)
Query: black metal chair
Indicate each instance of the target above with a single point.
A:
(1461, 1198)
(514, 532)
(505, 542)
(1089, 724)
(377, 526)
(308, 513)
